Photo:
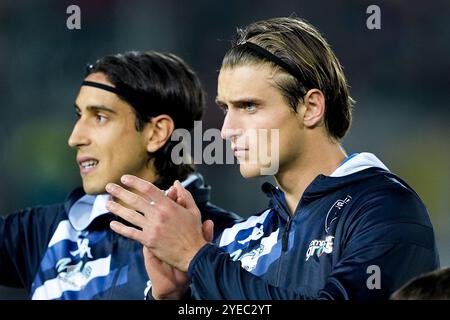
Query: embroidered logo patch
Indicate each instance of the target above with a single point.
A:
(319, 247)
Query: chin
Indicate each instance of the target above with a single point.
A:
(250, 170)
(93, 189)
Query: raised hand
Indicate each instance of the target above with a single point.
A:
(173, 233)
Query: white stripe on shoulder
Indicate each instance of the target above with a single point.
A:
(64, 231)
(249, 260)
(228, 235)
(362, 161)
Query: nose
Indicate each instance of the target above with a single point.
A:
(79, 136)
(230, 128)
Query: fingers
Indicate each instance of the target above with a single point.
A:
(185, 198)
(171, 193)
(133, 200)
(144, 187)
(208, 230)
(128, 232)
(129, 215)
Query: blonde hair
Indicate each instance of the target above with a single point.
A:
(302, 47)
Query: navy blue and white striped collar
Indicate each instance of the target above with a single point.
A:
(89, 207)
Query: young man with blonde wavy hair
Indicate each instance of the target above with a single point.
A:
(338, 226)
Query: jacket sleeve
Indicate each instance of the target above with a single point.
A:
(215, 276)
(388, 241)
(24, 236)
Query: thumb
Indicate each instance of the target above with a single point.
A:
(149, 258)
(208, 230)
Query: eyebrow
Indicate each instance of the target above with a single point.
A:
(218, 102)
(239, 101)
(97, 108)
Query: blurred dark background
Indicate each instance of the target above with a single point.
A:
(400, 78)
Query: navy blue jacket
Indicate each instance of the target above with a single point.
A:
(360, 233)
(41, 251)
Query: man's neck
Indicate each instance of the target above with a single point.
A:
(318, 158)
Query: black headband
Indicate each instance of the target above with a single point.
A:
(273, 58)
(129, 95)
(104, 87)
(139, 100)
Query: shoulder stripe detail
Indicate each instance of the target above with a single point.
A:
(229, 235)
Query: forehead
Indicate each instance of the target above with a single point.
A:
(91, 96)
(99, 77)
(246, 80)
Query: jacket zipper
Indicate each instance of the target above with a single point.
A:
(287, 228)
(285, 238)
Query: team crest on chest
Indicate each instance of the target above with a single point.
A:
(335, 211)
(319, 247)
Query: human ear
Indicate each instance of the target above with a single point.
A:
(160, 129)
(314, 104)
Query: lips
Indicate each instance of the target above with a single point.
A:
(239, 151)
(87, 164)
